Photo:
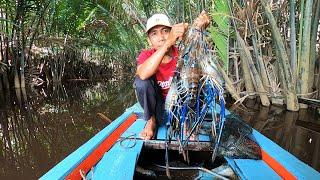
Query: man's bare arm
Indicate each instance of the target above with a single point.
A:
(150, 66)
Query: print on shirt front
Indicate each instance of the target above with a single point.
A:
(165, 71)
(165, 84)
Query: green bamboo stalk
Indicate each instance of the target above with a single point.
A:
(190, 13)
(15, 38)
(291, 97)
(5, 75)
(305, 50)
(301, 20)
(22, 46)
(202, 5)
(313, 48)
(293, 45)
(2, 42)
(184, 11)
(178, 10)
(255, 77)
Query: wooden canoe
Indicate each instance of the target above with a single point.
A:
(108, 156)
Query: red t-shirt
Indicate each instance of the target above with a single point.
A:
(165, 71)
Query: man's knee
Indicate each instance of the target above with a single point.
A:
(142, 85)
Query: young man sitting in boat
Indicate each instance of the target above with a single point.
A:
(156, 66)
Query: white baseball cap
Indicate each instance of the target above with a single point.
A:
(157, 19)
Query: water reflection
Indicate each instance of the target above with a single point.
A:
(40, 127)
(297, 132)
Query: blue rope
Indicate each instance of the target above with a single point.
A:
(182, 119)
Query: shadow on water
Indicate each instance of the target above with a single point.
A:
(297, 132)
(39, 127)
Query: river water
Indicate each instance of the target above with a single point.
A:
(40, 127)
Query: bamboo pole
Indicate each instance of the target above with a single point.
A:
(291, 97)
(2, 64)
(236, 73)
(22, 46)
(302, 2)
(259, 61)
(247, 61)
(246, 75)
(2, 41)
(313, 48)
(246, 72)
(274, 90)
(281, 75)
(303, 84)
(293, 45)
(5, 75)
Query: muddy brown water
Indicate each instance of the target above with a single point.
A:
(42, 126)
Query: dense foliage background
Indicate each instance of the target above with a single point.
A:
(268, 49)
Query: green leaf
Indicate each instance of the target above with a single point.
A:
(221, 43)
(83, 23)
(219, 31)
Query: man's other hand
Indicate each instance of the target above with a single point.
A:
(202, 21)
(177, 31)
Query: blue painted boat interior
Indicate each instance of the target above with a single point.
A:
(120, 161)
(62, 169)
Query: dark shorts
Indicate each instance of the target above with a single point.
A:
(150, 98)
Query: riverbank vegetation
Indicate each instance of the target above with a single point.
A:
(266, 49)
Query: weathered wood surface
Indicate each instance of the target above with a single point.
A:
(174, 145)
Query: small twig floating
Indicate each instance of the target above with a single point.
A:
(105, 118)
